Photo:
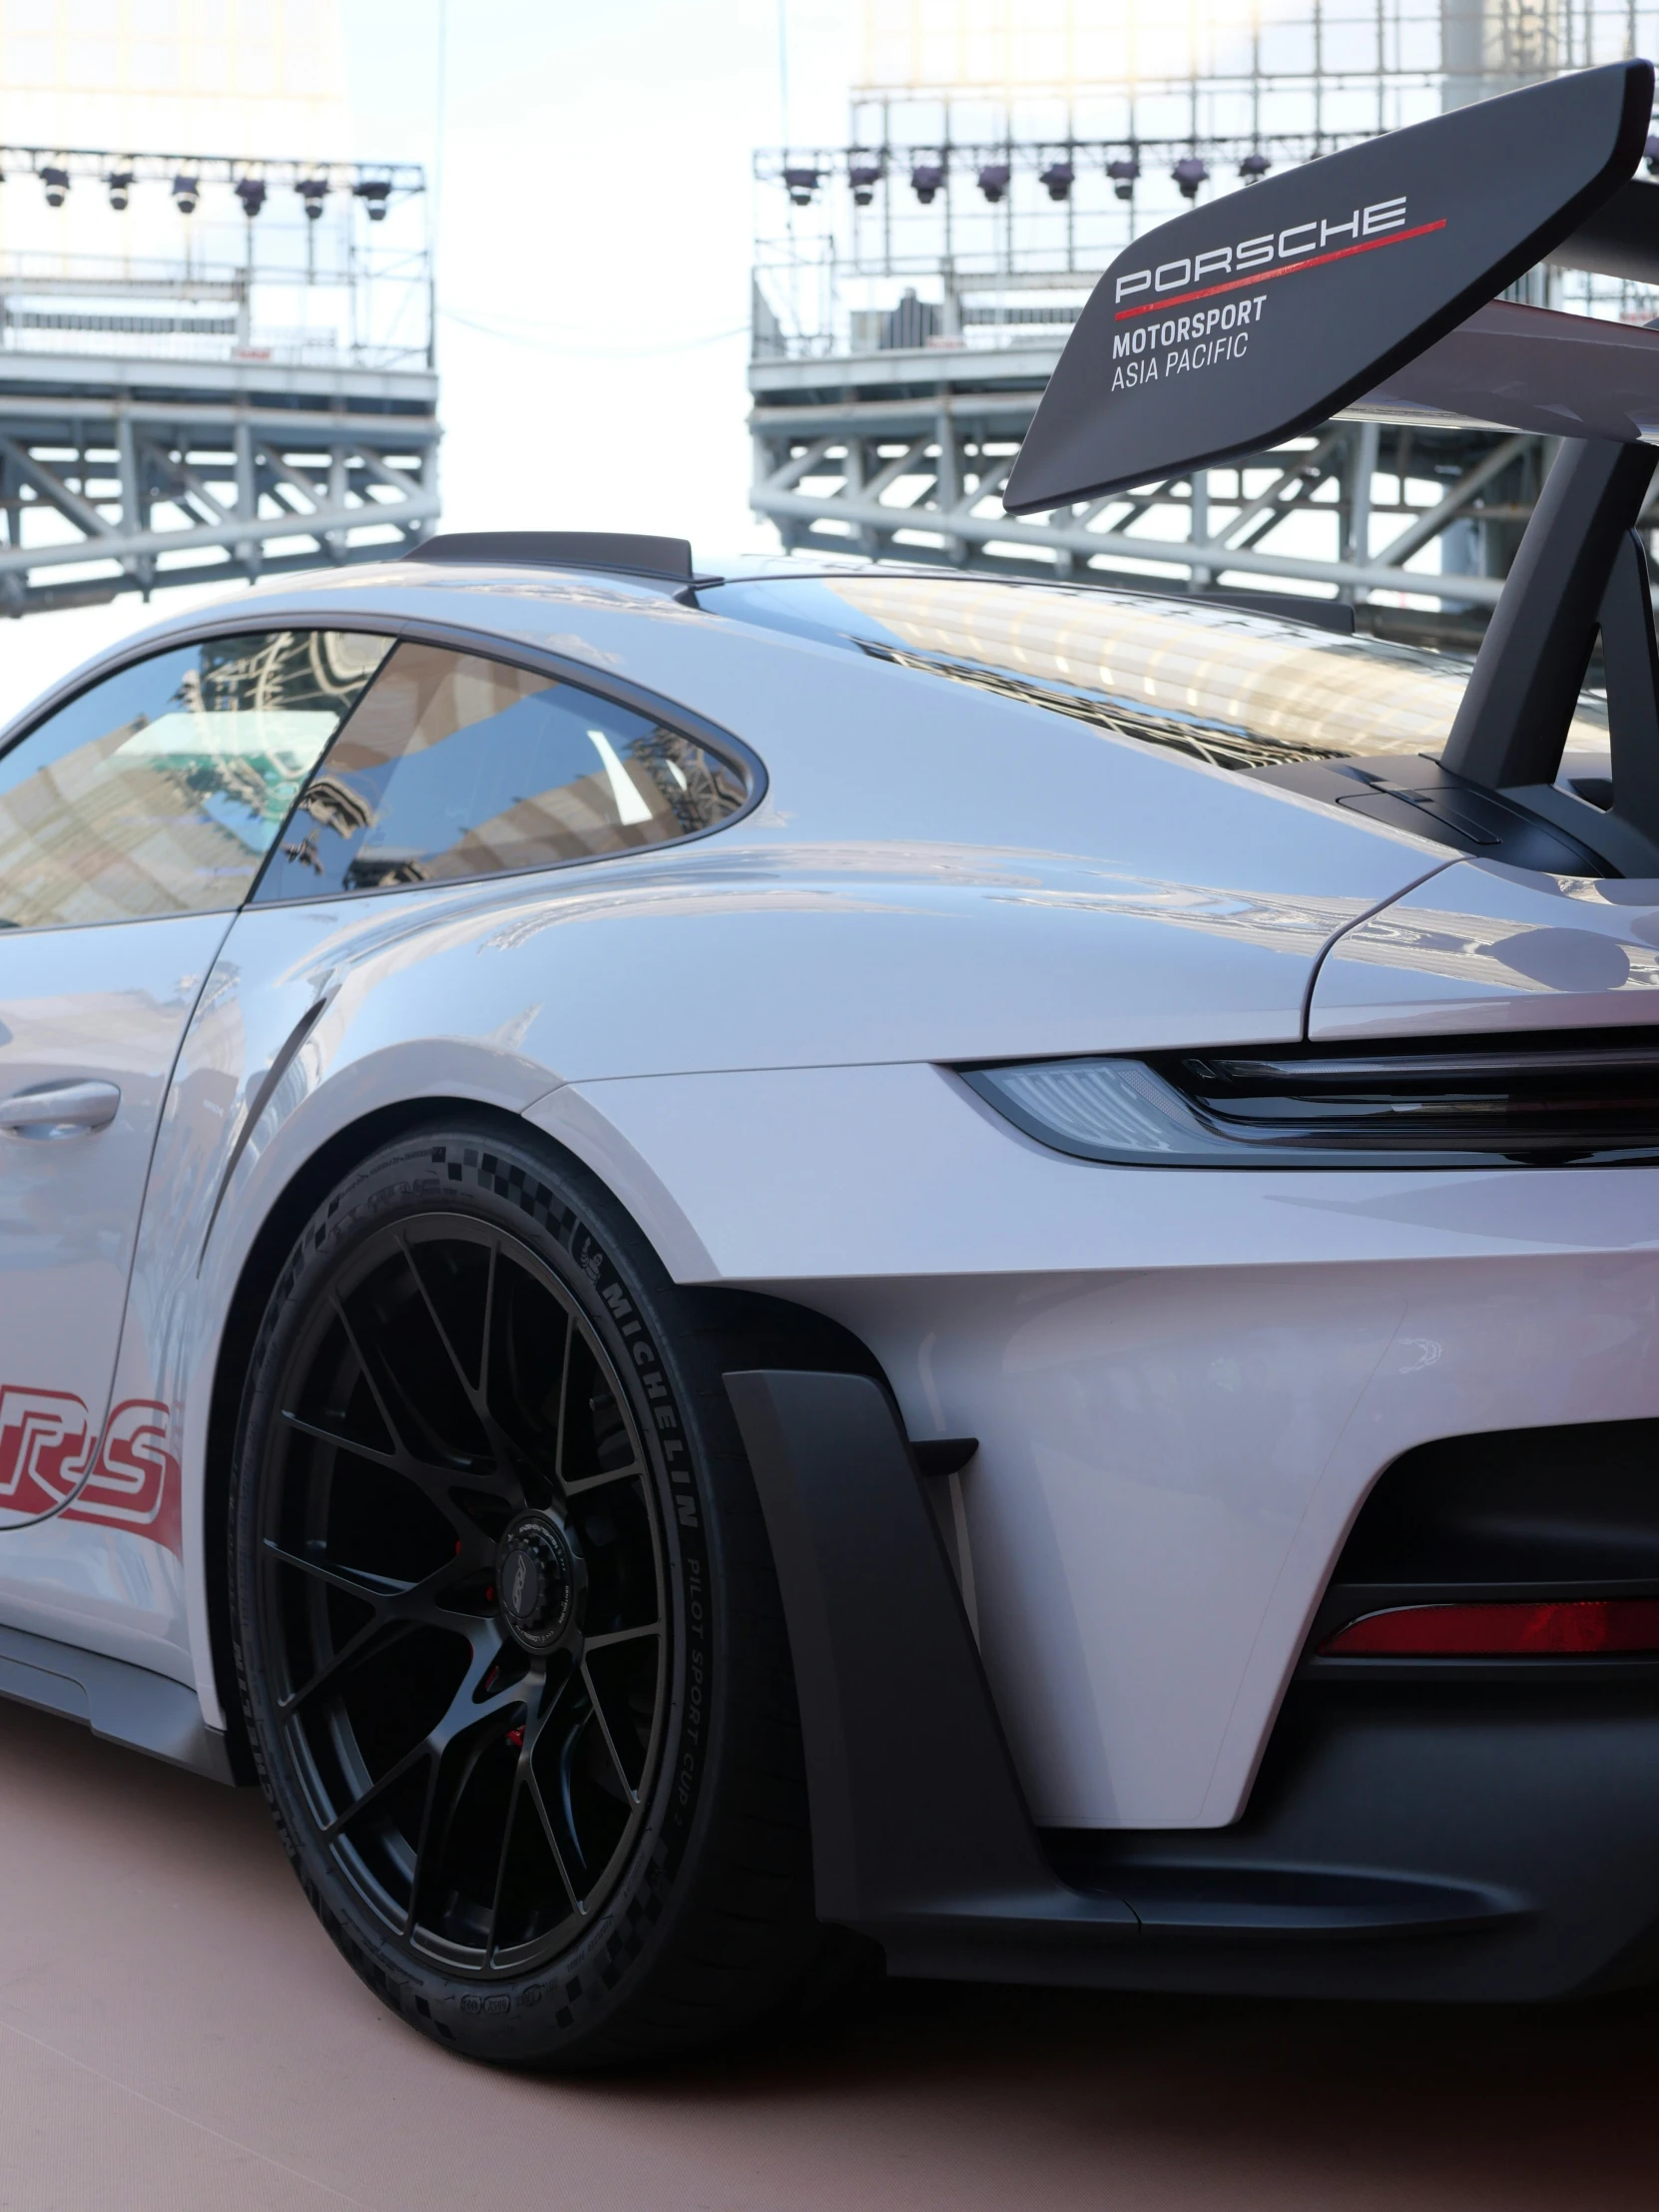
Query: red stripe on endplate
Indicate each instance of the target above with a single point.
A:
(1554, 1628)
(1262, 277)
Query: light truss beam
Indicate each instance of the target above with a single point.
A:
(896, 475)
(106, 494)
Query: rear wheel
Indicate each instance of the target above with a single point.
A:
(508, 1641)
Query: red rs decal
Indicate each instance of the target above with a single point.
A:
(45, 1438)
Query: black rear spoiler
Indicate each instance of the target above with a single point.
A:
(1250, 319)
(1366, 285)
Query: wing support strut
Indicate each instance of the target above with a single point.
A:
(1580, 568)
(1513, 719)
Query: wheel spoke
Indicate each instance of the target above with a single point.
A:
(356, 1581)
(564, 1395)
(504, 1476)
(593, 1481)
(621, 1636)
(451, 1354)
(432, 1480)
(506, 1851)
(459, 1739)
(552, 1841)
(394, 1773)
(605, 1731)
(321, 1435)
(489, 1322)
(369, 1376)
(349, 1650)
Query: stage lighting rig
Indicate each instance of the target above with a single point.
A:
(1057, 179)
(312, 191)
(373, 192)
(1254, 168)
(864, 177)
(802, 185)
(1189, 173)
(925, 180)
(994, 180)
(187, 194)
(251, 191)
(56, 183)
(1125, 174)
(120, 183)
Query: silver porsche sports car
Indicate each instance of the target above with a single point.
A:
(741, 1272)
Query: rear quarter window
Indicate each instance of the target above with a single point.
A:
(456, 766)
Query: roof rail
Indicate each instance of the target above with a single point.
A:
(670, 559)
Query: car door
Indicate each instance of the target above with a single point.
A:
(133, 820)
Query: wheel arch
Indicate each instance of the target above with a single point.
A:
(812, 1339)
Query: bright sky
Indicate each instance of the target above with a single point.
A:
(593, 256)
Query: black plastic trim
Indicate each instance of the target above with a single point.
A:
(125, 1704)
(921, 1836)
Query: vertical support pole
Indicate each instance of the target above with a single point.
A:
(339, 477)
(1362, 472)
(947, 484)
(1203, 573)
(247, 500)
(135, 505)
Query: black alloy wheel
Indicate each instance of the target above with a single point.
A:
(509, 1647)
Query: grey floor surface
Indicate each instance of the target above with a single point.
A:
(176, 2033)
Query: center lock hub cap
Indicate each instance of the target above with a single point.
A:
(536, 1580)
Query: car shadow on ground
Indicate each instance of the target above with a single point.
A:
(1476, 2105)
(145, 1909)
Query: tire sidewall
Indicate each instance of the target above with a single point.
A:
(555, 2008)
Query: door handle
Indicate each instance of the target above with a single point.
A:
(60, 1109)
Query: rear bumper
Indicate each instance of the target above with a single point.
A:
(1402, 1841)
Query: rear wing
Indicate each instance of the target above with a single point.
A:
(1365, 285)
(1249, 319)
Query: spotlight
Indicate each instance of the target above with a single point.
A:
(1651, 156)
(187, 194)
(375, 192)
(120, 182)
(313, 190)
(1189, 175)
(1254, 168)
(925, 180)
(993, 181)
(251, 191)
(864, 177)
(800, 185)
(1058, 178)
(1124, 176)
(56, 182)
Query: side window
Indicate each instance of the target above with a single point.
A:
(454, 766)
(160, 790)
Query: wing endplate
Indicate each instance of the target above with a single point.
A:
(1249, 319)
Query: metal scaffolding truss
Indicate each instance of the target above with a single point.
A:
(129, 490)
(209, 368)
(914, 287)
(1417, 526)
